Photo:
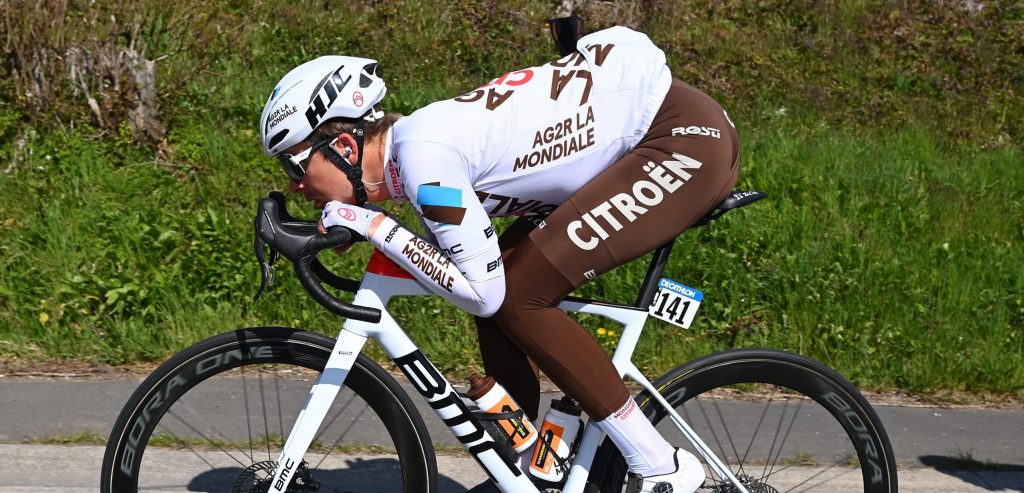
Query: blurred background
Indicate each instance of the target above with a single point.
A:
(888, 135)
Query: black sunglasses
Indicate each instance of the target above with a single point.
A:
(294, 165)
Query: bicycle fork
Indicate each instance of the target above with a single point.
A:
(318, 402)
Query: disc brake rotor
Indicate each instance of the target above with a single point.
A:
(752, 485)
(257, 477)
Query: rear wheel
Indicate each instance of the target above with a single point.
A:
(779, 421)
(214, 418)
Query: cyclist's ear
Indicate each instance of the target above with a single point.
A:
(346, 145)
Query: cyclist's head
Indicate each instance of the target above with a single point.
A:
(335, 89)
(319, 90)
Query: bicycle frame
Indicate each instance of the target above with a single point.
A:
(375, 291)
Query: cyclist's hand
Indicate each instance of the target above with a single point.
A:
(353, 217)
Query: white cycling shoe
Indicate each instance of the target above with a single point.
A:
(688, 476)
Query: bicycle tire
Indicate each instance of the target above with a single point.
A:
(842, 414)
(298, 355)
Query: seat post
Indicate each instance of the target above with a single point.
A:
(654, 271)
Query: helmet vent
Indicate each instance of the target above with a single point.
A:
(364, 76)
(316, 91)
(320, 85)
(277, 138)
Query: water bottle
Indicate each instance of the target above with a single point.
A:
(491, 397)
(557, 434)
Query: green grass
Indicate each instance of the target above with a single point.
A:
(892, 257)
(887, 137)
(171, 441)
(80, 438)
(801, 459)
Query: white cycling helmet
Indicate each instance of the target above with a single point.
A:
(316, 91)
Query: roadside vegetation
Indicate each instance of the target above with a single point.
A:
(888, 136)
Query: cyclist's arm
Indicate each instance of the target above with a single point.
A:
(427, 233)
(464, 264)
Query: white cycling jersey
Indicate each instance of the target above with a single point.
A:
(521, 144)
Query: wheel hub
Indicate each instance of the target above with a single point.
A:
(752, 485)
(257, 477)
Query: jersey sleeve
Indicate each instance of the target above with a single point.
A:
(465, 264)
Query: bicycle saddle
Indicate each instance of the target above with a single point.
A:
(735, 200)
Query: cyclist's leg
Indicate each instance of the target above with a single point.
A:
(502, 358)
(568, 251)
(682, 168)
(553, 341)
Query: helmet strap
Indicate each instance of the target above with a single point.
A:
(354, 173)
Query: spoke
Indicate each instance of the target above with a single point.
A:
(765, 472)
(811, 487)
(323, 428)
(725, 460)
(185, 444)
(248, 423)
(280, 410)
(757, 430)
(728, 434)
(216, 431)
(266, 425)
(714, 435)
(785, 437)
(210, 440)
(343, 433)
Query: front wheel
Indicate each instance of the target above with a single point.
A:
(214, 418)
(779, 421)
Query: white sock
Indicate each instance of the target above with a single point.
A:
(646, 452)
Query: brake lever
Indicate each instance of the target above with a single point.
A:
(266, 268)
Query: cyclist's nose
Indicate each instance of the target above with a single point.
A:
(294, 186)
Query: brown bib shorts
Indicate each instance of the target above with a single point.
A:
(683, 167)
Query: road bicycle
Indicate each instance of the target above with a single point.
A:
(214, 417)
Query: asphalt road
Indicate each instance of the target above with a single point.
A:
(59, 469)
(930, 443)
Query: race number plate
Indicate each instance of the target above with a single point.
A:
(675, 303)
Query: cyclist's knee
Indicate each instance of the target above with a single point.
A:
(512, 315)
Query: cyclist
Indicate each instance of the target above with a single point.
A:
(601, 154)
